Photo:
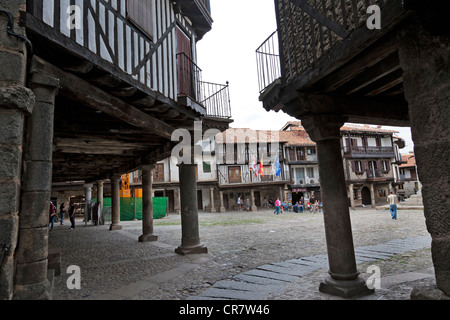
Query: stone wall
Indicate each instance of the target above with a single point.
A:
(304, 40)
(16, 102)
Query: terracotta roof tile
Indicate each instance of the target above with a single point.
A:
(410, 160)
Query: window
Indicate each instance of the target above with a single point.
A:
(267, 173)
(386, 166)
(300, 154)
(291, 154)
(140, 12)
(357, 166)
(311, 151)
(158, 173)
(310, 172)
(234, 174)
(206, 166)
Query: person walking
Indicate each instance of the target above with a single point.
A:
(277, 206)
(392, 199)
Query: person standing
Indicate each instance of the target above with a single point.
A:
(239, 203)
(392, 200)
(277, 206)
(52, 215)
(62, 211)
(72, 216)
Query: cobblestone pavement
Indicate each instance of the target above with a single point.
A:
(114, 265)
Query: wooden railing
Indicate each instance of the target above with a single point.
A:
(101, 32)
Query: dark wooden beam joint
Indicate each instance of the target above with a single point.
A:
(356, 109)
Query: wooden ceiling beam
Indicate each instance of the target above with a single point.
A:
(82, 91)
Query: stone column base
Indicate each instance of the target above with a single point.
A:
(148, 238)
(345, 288)
(222, 209)
(185, 250)
(115, 227)
(428, 293)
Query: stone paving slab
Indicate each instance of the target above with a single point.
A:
(290, 270)
(257, 279)
(272, 275)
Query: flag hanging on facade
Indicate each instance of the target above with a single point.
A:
(278, 167)
(261, 170)
(254, 167)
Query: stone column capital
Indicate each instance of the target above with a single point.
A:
(45, 87)
(324, 126)
(42, 80)
(17, 97)
(115, 177)
(149, 167)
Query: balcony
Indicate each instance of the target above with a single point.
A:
(199, 11)
(323, 50)
(368, 152)
(243, 176)
(212, 98)
(268, 62)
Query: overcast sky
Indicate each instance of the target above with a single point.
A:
(227, 53)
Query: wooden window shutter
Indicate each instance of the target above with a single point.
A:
(140, 12)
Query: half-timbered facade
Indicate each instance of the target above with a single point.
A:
(105, 83)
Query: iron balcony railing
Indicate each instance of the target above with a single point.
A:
(268, 62)
(214, 97)
(189, 77)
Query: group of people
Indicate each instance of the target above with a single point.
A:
(240, 203)
(62, 211)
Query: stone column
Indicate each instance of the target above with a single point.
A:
(213, 209)
(177, 203)
(350, 193)
(372, 195)
(15, 103)
(426, 73)
(115, 203)
(100, 199)
(343, 279)
(190, 241)
(32, 252)
(222, 208)
(87, 202)
(147, 205)
(252, 201)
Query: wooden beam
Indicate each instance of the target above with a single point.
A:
(358, 109)
(372, 74)
(373, 55)
(82, 91)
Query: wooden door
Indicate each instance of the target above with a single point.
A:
(185, 68)
(200, 199)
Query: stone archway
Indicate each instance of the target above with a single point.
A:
(365, 196)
